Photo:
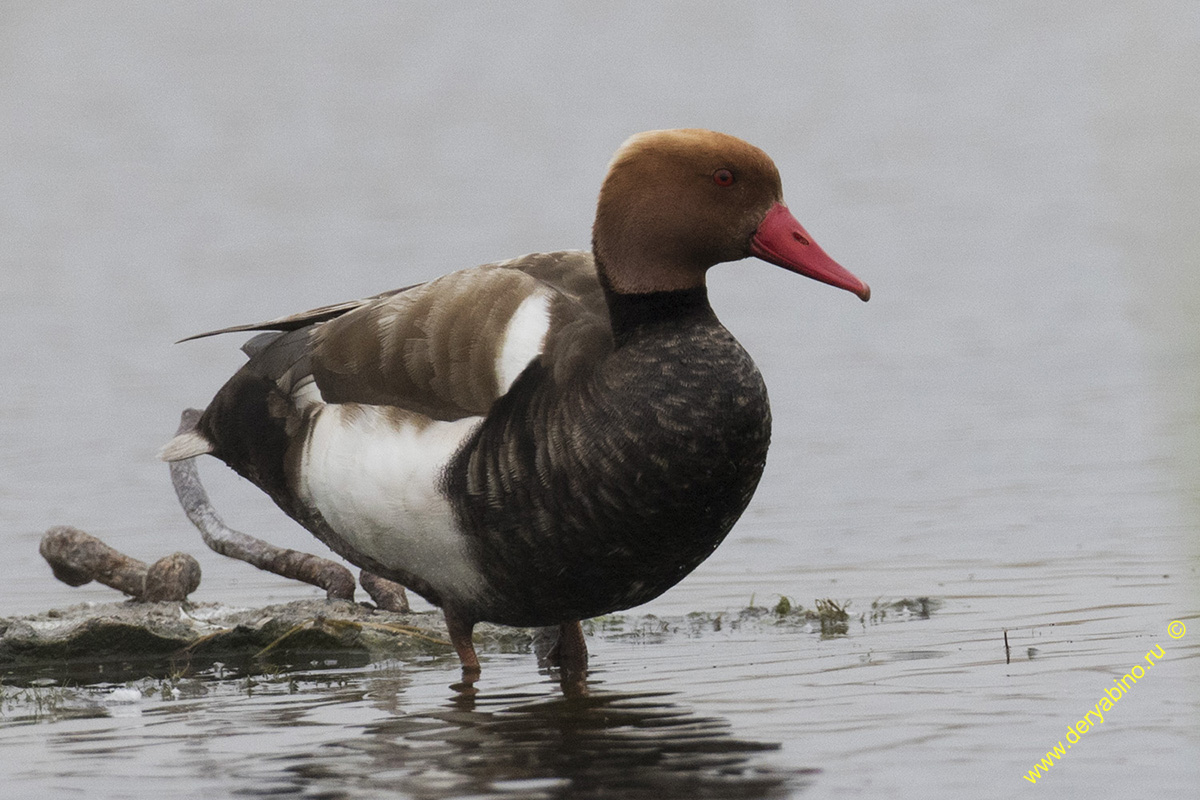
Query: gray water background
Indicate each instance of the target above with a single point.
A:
(1009, 427)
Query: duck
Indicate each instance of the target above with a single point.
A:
(538, 441)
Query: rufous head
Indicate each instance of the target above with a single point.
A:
(676, 202)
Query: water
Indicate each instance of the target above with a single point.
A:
(1010, 427)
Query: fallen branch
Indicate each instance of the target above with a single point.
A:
(388, 595)
(78, 558)
(336, 580)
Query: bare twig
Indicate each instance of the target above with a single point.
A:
(388, 595)
(335, 579)
(77, 558)
(1007, 652)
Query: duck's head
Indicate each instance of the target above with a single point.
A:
(676, 202)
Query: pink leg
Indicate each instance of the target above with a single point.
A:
(570, 654)
(460, 636)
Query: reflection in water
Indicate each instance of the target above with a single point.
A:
(604, 744)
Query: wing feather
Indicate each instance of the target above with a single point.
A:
(447, 348)
(296, 321)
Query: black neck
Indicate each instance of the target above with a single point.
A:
(632, 312)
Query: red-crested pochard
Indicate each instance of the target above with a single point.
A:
(537, 441)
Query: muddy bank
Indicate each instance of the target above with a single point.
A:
(121, 641)
(113, 642)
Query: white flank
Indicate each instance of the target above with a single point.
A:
(523, 338)
(375, 478)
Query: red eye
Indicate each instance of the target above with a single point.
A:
(723, 177)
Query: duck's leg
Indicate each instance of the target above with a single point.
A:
(570, 653)
(460, 636)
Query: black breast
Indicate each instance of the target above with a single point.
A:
(601, 493)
